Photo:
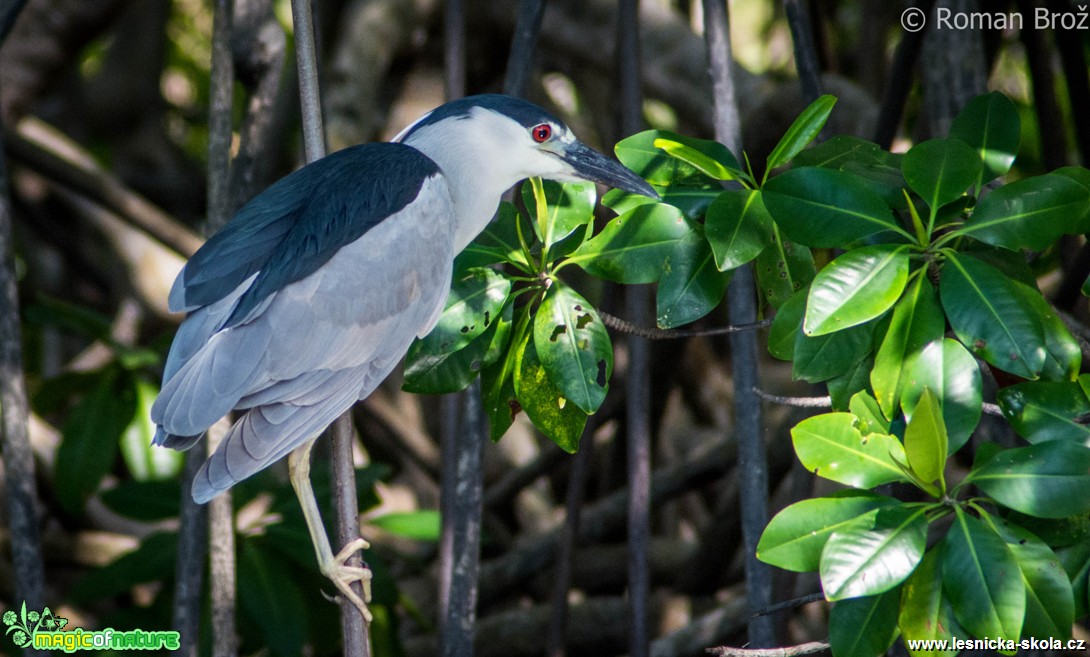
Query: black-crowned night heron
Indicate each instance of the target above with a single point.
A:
(312, 293)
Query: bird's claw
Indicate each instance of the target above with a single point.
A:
(343, 576)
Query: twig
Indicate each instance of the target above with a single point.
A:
(790, 651)
(454, 46)
(796, 402)
(189, 571)
(306, 56)
(577, 485)
(790, 604)
(520, 63)
(40, 147)
(221, 525)
(806, 58)
(655, 333)
(26, 548)
(346, 508)
(900, 81)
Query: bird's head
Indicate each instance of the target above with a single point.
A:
(507, 139)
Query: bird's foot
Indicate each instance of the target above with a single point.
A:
(343, 576)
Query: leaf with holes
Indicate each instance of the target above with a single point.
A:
(692, 286)
(473, 303)
(636, 246)
(444, 373)
(831, 446)
(783, 269)
(990, 317)
(573, 346)
(545, 404)
(856, 287)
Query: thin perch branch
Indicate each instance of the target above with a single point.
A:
(791, 651)
(655, 333)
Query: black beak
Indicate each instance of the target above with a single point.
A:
(589, 164)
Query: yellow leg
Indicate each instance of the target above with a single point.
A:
(334, 567)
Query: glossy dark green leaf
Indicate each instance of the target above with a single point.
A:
(952, 375)
(1076, 563)
(1042, 410)
(831, 446)
(925, 612)
(917, 320)
(885, 180)
(658, 167)
(89, 441)
(574, 347)
(691, 286)
(990, 316)
(147, 501)
(692, 200)
(1047, 480)
(545, 404)
(802, 131)
(979, 576)
(706, 164)
(856, 287)
(839, 150)
(738, 227)
(990, 124)
(1063, 357)
(871, 558)
(1031, 213)
(795, 536)
(451, 372)
(1050, 606)
(783, 269)
(926, 441)
(822, 357)
(498, 242)
(145, 461)
(636, 246)
(472, 305)
(826, 208)
(498, 379)
(846, 385)
(569, 205)
(786, 325)
(940, 170)
(864, 627)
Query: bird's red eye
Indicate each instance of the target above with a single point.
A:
(541, 132)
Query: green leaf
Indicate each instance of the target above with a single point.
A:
(794, 538)
(826, 208)
(738, 227)
(925, 439)
(90, 437)
(786, 325)
(990, 316)
(147, 501)
(864, 627)
(823, 357)
(1063, 357)
(1040, 411)
(453, 371)
(926, 613)
(990, 124)
(569, 204)
(545, 404)
(803, 130)
(978, 576)
(706, 164)
(692, 200)
(498, 380)
(846, 385)
(420, 525)
(473, 303)
(953, 377)
(269, 597)
(783, 269)
(869, 417)
(917, 320)
(1050, 606)
(658, 167)
(573, 346)
(1076, 563)
(145, 461)
(691, 286)
(839, 150)
(856, 287)
(498, 242)
(870, 558)
(1047, 480)
(1031, 213)
(634, 247)
(831, 446)
(940, 170)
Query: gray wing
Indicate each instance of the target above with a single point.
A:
(316, 346)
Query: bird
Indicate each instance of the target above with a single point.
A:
(313, 292)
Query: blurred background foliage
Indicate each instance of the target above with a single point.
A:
(105, 105)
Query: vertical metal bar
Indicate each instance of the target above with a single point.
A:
(742, 307)
(520, 63)
(454, 45)
(306, 55)
(806, 59)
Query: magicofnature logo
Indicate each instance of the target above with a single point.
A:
(44, 631)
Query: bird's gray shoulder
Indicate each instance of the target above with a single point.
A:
(296, 225)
